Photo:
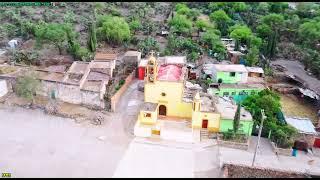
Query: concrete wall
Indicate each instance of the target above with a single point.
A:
(213, 120)
(245, 127)
(71, 94)
(172, 99)
(226, 78)
(281, 151)
(236, 145)
(3, 88)
(116, 97)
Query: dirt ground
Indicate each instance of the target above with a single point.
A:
(292, 106)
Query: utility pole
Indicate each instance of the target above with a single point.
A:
(259, 135)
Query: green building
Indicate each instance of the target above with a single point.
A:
(237, 91)
(227, 73)
(228, 110)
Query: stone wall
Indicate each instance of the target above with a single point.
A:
(71, 94)
(116, 97)
(281, 151)
(242, 171)
(235, 145)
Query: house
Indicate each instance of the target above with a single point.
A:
(168, 96)
(227, 108)
(234, 56)
(237, 91)
(305, 128)
(228, 74)
(234, 80)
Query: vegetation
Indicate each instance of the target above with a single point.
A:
(281, 134)
(147, 45)
(27, 86)
(114, 30)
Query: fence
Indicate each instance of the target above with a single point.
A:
(116, 97)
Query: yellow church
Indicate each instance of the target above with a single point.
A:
(168, 96)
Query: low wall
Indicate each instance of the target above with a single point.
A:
(235, 145)
(116, 97)
(281, 151)
(71, 94)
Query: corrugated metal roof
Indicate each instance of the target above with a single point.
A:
(255, 69)
(303, 125)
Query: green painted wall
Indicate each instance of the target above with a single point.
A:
(237, 94)
(226, 124)
(227, 78)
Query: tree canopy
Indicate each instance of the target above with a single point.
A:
(180, 24)
(114, 29)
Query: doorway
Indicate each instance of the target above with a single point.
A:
(162, 110)
(205, 123)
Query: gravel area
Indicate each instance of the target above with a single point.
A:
(237, 171)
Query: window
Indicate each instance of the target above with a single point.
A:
(241, 93)
(253, 93)
(245, 93)
(233, 93)
(217, 93)
(232, 74)
(226, 94)
(163, 94)
(147, 115)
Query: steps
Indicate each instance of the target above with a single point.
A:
(204, 134)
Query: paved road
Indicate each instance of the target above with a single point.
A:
(34, 144)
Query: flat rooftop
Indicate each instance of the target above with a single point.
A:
(230, 67)
(105, 56)
(242, 86)
(227, 108)
(147, 106)
(255, 69)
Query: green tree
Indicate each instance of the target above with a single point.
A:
(240, 34)
(236, 120)
(309, 33)
(271, 25)
(92, 39)
(115, 30)
(252, 58)
(180, 24)
(278, 7)
(147, 45)
(221, 19)
(135, 25)
(52, 33)
(27, 86)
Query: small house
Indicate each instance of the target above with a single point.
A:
(255, 72)
(229, 74)
(305, 128)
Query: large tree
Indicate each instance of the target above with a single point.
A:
(269, 28)
(53, 34)
(241, 34)
(222, 20)
(180, 24)
(114, 29)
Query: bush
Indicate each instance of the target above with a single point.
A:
(114, 29)
(27, 86)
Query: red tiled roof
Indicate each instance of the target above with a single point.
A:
(169, 72)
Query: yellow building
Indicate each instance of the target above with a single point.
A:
(167, 97)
